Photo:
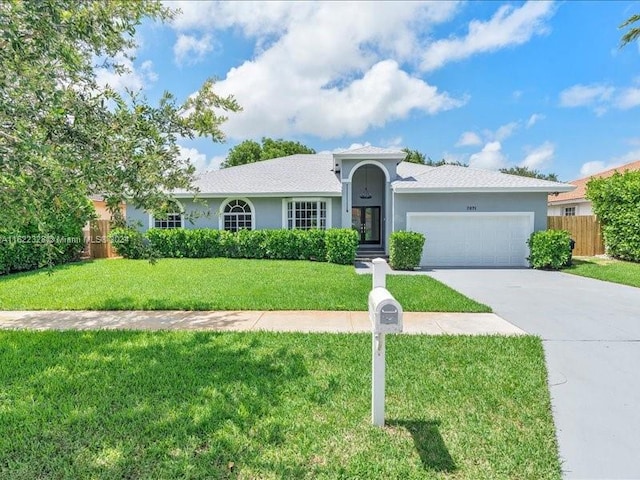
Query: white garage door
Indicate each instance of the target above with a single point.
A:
(473, 239)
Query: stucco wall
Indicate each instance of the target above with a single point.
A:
(582, 208)
(464, 202)
(267, 212)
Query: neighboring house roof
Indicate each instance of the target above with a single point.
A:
(314, 175)
(579, 193)
(450, 178)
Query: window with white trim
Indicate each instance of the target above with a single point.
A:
(570, 211)
(236, 216)
(170, 218)
(173, 220)
(305, 215)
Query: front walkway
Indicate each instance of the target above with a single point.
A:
(284, 321)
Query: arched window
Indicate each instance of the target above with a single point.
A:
(236, 216)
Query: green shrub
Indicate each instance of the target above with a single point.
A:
(28, 249)
(314, 247)
(549, 249)
(250, 243)
(281, 245)
(405, 250)
(341, 245)
(616, 203)
(128, 242)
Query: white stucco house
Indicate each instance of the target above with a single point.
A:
(576, 203)
(470, 217)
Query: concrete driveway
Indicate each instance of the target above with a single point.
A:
(591, 334)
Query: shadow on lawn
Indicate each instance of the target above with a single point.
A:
(429, 444)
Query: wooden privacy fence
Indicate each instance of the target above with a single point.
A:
(97, 241)
(585, 230)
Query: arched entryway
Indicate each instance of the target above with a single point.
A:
(368, 184)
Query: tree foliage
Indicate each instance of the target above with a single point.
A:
(64, 137)
(414, 156)
(634, 32)
(527, 172)
(251, 151)
(616, 203)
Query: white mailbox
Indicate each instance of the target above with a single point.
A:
(385, 312)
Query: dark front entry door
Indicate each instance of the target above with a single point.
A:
(367, 221)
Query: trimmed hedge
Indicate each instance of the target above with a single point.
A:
(342, 244)
(333, 245)
(549, 249)
(405, 250)
(28, 249)
(128, 242)
(616, 202)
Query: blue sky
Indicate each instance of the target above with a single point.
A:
(493, 84)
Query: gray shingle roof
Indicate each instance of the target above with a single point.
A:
(370, 150)
(313, 175)
(296, 174)
(453, 177)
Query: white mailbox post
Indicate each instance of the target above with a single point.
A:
(385, 314)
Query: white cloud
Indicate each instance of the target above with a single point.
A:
(328, 69)
(509, 26)
(628, 98)
(505, 131)
(395, 142)
(489, 158)
(278, 103)
(190, 49)
(585, 95)
(469, 139)
(199, 159)
(133, 78)
(535, 118)
(591, 168)
(600, 97)
(539, 157)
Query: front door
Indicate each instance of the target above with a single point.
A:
(367, 221)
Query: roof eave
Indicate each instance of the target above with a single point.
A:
(257, 194)
(398, 189)
(370, 156)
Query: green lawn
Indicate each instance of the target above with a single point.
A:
(114, 404)
(609, 270)
(217, 284)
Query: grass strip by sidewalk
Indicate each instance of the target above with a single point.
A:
(607, 269)
(218, 284)
(109, 404)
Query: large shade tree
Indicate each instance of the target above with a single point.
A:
(64, 137)
(251, 151)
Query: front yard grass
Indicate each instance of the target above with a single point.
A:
(218, 284)
(115, 404)
(607, 269)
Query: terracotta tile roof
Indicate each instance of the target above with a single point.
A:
(581, 183)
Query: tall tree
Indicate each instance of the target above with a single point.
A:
(633, 33)
(414, 156)
(251, 151)
(527, 172)
(64, 137)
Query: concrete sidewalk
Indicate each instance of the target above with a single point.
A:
(282, 321)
